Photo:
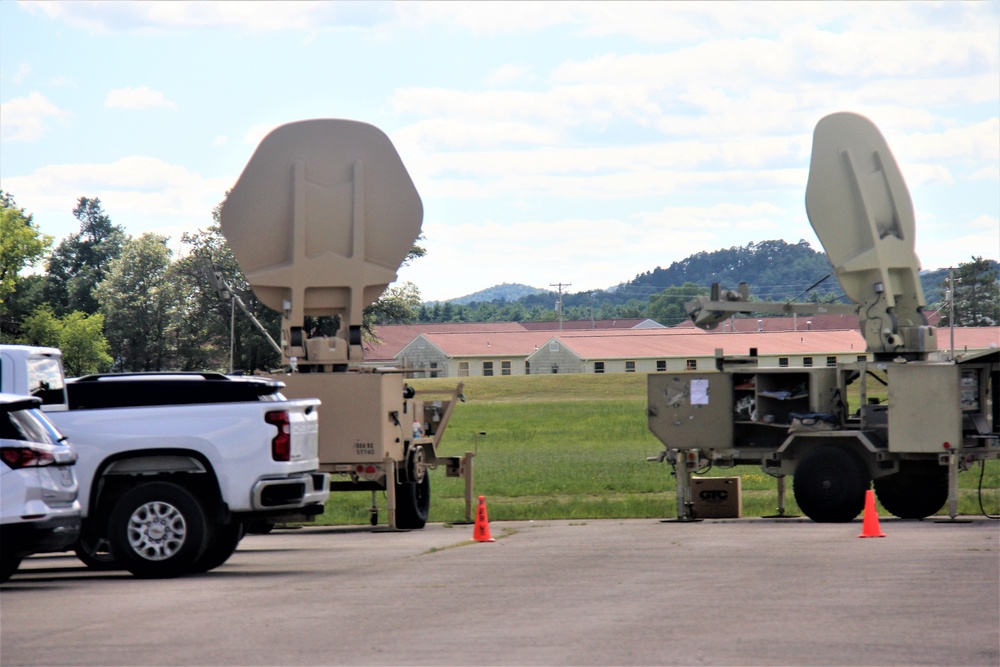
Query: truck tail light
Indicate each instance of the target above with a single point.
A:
(281, 444)
(26, 457)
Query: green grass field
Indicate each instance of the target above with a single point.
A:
(575, 447)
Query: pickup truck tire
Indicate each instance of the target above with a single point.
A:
(158, 530)
(221, 545)
(95, 552)
(413, 503)
(917, 491)
(830, 484)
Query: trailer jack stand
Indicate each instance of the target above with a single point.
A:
(781, 503)
(683, 464)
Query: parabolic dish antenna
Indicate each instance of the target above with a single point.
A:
(321, 219)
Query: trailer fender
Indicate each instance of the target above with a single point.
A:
(866, 445)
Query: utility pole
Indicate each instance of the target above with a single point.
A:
(559, 303)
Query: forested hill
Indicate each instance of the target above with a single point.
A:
(775, 270)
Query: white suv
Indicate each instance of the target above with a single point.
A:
(39, 510)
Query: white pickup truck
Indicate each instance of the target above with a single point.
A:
(174, 466)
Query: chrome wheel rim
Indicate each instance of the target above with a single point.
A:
(156, 530)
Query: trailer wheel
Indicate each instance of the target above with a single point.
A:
(413, 504)
(917, 491)
(158, 530)
(222, 544)
(830, 484)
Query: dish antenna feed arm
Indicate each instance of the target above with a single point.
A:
(320, 220)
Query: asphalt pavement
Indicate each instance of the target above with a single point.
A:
(631, 592)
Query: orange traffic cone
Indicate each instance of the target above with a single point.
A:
(871, 527)
(481, 532)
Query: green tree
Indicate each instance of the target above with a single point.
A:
(42, 328)
(667, 307)
(137, 299)
(976, 296)
(84, 347)
(81, 261)
(22, 245)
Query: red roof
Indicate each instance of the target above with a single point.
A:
(701, 344)
(491, 344)
(584, 324)
(395, 337)
(646, 343)
(818, 322)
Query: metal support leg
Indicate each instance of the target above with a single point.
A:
(467, 469)
(953, 486)
(687, 461)
(781, 502)
(952, 462)
(390, 489)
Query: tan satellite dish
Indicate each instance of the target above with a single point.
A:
(320, 220)
(860, 208)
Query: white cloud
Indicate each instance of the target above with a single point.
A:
(23, 70)
(257, 133)
(24, 118)
(506, 74)
(139, 193)
(137, 98)
(135, 16)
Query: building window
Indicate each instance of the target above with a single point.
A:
(504, 368)
(661, 365)
(831, 361)
(555, 368)
(434, 366)
(862, 357)
(630, 367)
(463, 369)
(598, 366)
(692, 364)
(527, 368)
(487, 368)
(807, 361)
(783, 362)
(554, 346)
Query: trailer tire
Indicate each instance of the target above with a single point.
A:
(917, 491)
(221, 545)
(830, 484)
(158, 530)
(413, 503)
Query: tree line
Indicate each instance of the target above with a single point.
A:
(111, 301)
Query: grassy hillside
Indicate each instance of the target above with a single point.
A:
(572, 446)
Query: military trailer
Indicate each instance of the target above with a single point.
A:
(320, 220)
(942, 412)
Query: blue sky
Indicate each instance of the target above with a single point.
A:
(550, 142)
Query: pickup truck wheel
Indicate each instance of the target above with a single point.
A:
(221, 545)
(830, 484)
(413, 503)
(917, 491)
(95, 552)
(158, 530)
